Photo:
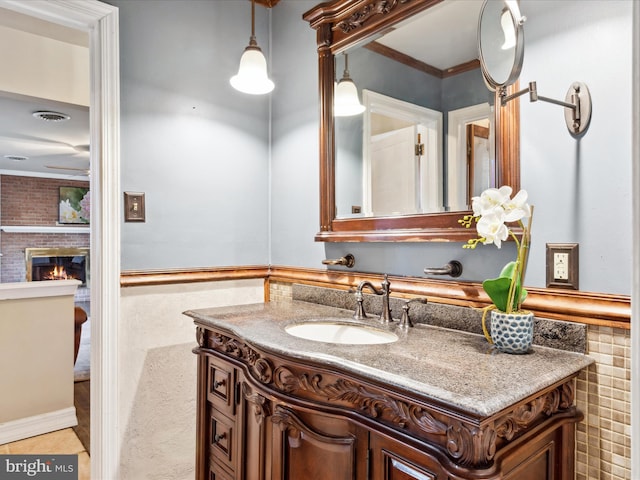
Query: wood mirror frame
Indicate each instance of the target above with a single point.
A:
(341, 24)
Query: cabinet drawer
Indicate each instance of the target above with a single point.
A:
(217, 472)
(220, 385)
(222, 446)
(392, 460)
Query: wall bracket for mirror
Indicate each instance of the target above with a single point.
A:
(577, 104)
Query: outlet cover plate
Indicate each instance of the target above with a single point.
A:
(569, 278)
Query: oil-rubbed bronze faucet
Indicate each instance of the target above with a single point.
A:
(385, 315)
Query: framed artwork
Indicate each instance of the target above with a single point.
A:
(74, 206)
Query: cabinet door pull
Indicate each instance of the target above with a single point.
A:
(219, 383)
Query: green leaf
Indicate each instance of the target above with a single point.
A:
(498, 289)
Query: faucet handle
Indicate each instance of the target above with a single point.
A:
(359, 313)
(405, 320)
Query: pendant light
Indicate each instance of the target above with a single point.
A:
(252, 75)
(345, 97)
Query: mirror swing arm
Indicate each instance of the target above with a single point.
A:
(344, 23)
(501, 67)
(577, 100)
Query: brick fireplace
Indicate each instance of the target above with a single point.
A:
(29, 205)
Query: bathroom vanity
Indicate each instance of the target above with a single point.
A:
(433, 404)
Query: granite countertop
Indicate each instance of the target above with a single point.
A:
(447, 365)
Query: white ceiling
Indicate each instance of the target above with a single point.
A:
(443, 36)
(51, 147)
(61, 145)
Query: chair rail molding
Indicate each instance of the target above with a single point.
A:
(602, 309)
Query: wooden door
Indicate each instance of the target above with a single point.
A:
(394, 173)
(317, 447)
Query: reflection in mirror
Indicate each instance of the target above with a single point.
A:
(395, 167)
(471, 148)
(426, 70)
(501, 42)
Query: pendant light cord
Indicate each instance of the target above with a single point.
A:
(252, 40)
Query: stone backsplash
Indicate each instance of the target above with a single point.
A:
(548, 333)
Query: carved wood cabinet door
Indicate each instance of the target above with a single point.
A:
(317, 447)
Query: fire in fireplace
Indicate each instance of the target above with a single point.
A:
(57, 264)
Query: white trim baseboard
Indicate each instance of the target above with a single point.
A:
(37, 425)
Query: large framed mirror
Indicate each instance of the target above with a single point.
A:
(462, 142)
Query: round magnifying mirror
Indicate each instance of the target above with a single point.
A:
(500, 42)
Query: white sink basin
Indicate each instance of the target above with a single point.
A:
(332, 332)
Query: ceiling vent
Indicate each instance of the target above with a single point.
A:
(51, 116)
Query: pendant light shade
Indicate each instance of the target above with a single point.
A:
(345, 97)
(252, 75)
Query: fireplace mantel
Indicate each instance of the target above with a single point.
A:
(44, 229)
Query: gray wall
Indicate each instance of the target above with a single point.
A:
(581, 188)
(195, 146)
(217, 195)
(294, 154)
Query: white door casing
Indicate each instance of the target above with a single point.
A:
(100, 21)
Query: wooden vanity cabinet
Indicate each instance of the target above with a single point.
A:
(232, 427)
(250, 436)
(268, 417)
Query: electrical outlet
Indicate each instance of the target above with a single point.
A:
(562, 265)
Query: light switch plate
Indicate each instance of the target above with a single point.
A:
(134, 207)
(562, 265)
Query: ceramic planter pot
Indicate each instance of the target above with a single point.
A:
(512, 332)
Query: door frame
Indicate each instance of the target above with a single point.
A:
(100, 21)
(635, 292)
(457, 181)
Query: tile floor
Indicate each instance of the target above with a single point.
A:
(60, 442)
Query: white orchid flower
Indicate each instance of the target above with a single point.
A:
(517, 208)
(491, 227)
(490, 199)
(491, 211)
